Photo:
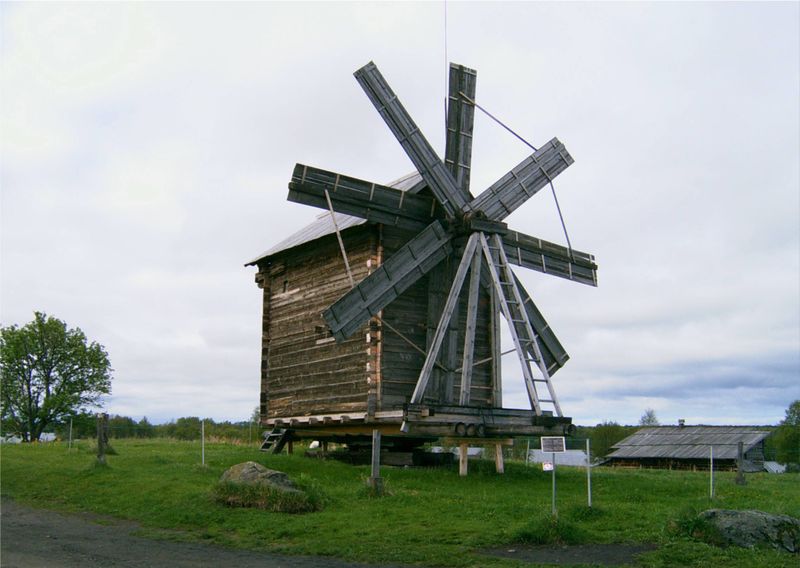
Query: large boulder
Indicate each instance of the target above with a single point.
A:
(755, 528)
(252, 473)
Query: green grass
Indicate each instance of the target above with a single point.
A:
(429, 516)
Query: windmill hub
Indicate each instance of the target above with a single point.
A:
(477, 221)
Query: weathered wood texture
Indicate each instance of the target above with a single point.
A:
(401, 364)
(304, 371)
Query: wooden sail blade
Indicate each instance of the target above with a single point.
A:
(550, 258)
(370, 201)
(460, 121)
(392, 278)
(529, 176)
(439, 179)
(550, 347)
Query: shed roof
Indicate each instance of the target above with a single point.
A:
(323, 224)
(688, 442)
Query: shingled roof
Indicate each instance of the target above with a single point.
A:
(323, 224)
(687, 442)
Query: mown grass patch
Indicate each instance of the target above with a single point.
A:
(429, 517)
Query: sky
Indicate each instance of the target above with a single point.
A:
(146, 149)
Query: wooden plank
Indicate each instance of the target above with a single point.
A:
(496, 367)
(447, 313)
(441, 182)
(524, 180)
(469, 333)
(498, 458)
(370, 201)
(550, 258)
(554, 354)
(388, 281)
(460, 121)
(503, 299)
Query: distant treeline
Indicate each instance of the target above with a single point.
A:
(188, 428)
(782, 446)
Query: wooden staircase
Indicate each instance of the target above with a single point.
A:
(275, 440)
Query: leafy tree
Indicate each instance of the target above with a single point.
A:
(787, 437)
(144, 429)
(48, 373)
(605, 435)
(649, 418)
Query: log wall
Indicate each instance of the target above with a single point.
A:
(304, 371)
(401, 363)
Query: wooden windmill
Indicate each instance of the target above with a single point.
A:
(419, 242)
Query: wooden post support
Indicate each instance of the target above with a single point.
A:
(740, 480)
(290, 446)
(102, 437)
(463, 459)
(376, 481)
(498, 458)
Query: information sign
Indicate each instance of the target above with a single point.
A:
(553, 444)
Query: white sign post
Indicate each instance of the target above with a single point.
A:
(554, 445)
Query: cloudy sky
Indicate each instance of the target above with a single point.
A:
(146, 150)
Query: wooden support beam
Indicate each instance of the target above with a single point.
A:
(493, 262)
(463, 459)
(375, 480)
(498, 458)
(444, 321)
(469, 334)
(497, 377)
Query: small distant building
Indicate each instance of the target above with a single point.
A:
(689, 447)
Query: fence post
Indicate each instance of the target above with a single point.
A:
(740, 480)
(203, 441)
(69, 445)
(553, 510)
(589, 472)
(375, 480)
(102, 436)
(711, 472)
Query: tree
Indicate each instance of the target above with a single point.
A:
(649, 418)
(48, 373)
(605, 435)
(787, 437)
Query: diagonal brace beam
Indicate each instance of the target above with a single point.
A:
(447, 313)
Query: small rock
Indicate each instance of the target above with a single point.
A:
(252, 473)
(753, 528)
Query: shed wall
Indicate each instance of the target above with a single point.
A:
(304, 371)
(401, 364)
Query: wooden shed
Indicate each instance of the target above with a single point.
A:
(690, 447)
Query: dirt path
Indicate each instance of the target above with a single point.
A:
(33, 538)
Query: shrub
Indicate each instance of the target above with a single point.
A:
(262, 496)
(688, 523)
(548, 530)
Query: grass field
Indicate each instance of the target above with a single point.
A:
(430, 516)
